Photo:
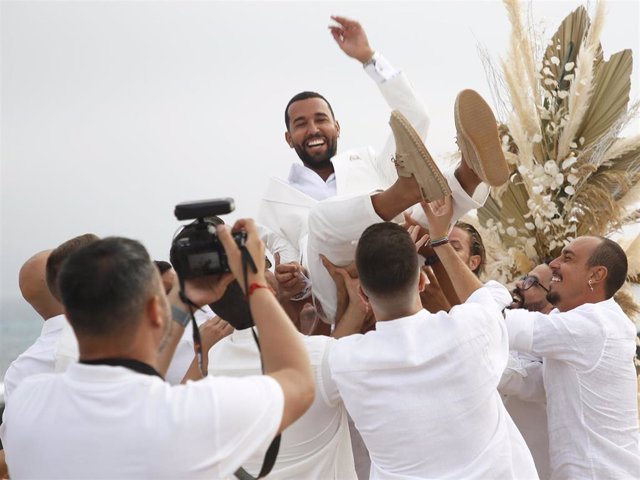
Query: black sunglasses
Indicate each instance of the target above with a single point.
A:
(529, 281)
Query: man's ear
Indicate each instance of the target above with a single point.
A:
(598, 274)
(155, 312)
(338, 128)
(287, 137)
(363, 296)
(423, 281)
(474, 262)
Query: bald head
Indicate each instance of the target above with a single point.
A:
(32, 281)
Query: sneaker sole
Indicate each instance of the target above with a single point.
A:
(478, 138)
(427, 175)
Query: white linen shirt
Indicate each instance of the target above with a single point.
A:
(105, 422)
(591, 387)
(52, 352)
(422, 392)
(317, 445)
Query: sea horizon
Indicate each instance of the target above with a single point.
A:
(20, 325)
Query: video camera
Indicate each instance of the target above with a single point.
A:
(196, 251)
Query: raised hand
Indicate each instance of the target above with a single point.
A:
(290, 278)
(439, 214)
(253, 244)
(351, 38)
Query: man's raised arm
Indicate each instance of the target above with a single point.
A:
(439, 215)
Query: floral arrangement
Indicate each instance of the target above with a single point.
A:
(563, 107)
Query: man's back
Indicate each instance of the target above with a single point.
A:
(422, 392)
(318, 444)
(98, 421)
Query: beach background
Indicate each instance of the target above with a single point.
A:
(113, 112)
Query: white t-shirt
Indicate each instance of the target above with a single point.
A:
(422, 392)
(52, 352)
(591, 387)
(317, 445)
(105, 422)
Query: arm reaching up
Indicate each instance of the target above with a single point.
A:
(439, 215)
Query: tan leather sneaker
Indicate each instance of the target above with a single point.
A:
(478, 138)
(413, 160)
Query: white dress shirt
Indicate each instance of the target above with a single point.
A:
(591, 387)
(522, 390)
(52, 352)
(317, 445)
(422, 392)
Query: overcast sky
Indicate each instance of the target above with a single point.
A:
(113, 112)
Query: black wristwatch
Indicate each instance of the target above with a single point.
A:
(180, 316)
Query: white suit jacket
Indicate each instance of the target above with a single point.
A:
(285, 210)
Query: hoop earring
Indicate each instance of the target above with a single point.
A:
(590, 286)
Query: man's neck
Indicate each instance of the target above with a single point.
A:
(323, 173)
(91, 349)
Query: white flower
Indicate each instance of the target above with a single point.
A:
(572, 179)
(537, 138)
(568, 66)
(569, 77)
(529, 226)
(555, 60)
(537, 189)
(569, 190)
(573, 145)
(549, 81)
(531, 242)
(512, 232)
(563, 94)
(547, 71)
(540, 223)
(581, 140)
(551, 167)
(523, 170)
(568, 162)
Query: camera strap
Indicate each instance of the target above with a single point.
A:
(197, 341)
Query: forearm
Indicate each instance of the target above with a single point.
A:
(350, 323)
(464, 280)
(194, 373)
(280, 343)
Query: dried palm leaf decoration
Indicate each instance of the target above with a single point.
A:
(572, 172)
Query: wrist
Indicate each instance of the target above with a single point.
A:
(367, 58)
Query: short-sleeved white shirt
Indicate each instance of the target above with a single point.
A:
(53, 351)
(591, 387)
(317, 445)
(422, 392)
(105, 422)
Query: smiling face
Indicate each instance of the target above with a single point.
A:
(313, 132)
(534, 298)
(570, 274)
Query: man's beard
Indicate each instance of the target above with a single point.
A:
(321, 162)
(553, 297)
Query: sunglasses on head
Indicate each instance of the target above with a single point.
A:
(529, 281)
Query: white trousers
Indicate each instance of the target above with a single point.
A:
(336, 224)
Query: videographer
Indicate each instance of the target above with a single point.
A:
(112, 416)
